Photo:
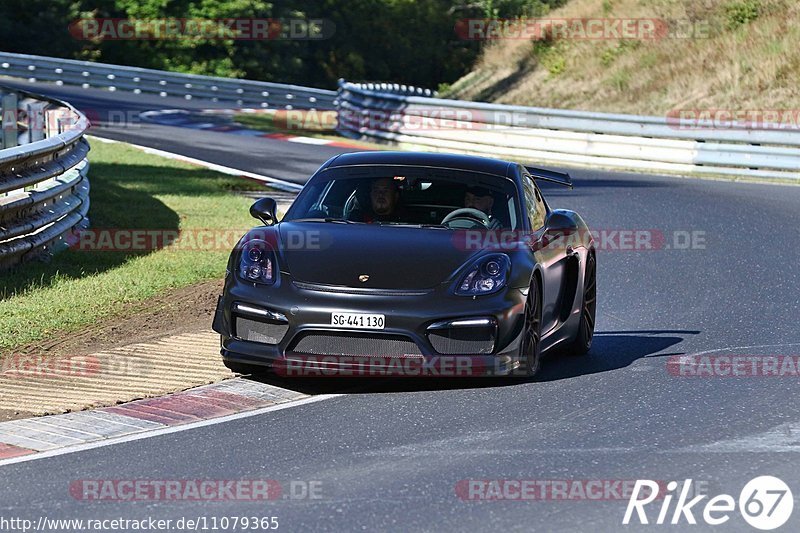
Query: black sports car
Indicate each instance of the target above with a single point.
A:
(397, 263)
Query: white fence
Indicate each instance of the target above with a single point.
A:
(406, 118)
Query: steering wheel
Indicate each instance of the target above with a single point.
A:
(349, 206)
(469, 213)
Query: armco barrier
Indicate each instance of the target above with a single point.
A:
(44, 188)
(410, 119)
(239, 93)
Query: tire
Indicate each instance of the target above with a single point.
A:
(531, 346)
(583, 340)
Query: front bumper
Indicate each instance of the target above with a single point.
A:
(297, 337)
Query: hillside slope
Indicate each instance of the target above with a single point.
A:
(744, 54)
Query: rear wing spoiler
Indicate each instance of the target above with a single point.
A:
(562, 178)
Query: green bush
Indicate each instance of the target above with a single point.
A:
(405, 41)
(444, 88)
(556, 65)
(742, 12)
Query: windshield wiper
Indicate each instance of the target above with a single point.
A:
(331, 220)
(413, 225)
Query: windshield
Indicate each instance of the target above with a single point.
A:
(418, 196)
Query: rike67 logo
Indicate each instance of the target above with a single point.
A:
(765, 503)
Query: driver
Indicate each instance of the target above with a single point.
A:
(481, 198)
(384, 194)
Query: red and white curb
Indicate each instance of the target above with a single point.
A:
(315, 141)
(22, 440)
(205, 119)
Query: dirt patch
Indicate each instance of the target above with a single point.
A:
(182, 311)
(186, 310)
(5, 416)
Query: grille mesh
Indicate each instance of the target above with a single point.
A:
(250, 330)
(462, 341)
(358, 345)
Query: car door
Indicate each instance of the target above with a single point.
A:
(551, 258)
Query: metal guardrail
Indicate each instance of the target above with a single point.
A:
(44, 188)
(241, 93)
(407, 118)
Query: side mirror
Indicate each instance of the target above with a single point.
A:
(560, 223)
(265, 210)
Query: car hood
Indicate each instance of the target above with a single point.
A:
(393, 257)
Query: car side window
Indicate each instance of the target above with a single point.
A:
(533, 203)
(541, 208)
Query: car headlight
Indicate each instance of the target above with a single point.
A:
(487, 275)
(257, 263)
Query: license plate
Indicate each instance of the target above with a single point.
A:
(358, 320)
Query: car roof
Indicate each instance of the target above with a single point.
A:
(424, 159)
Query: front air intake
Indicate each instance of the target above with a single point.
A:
(261, 332)
(463, 337)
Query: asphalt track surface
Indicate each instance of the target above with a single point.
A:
(389, 452)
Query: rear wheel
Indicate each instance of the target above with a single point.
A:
(530, 348)
(583, 340)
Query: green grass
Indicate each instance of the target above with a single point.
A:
(130, 190)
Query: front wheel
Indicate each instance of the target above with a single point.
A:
(583, 340)
(531, 345)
